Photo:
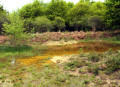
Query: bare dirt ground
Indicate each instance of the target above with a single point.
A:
(62, 59)
(61, 42)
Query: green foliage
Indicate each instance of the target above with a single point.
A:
(42, 24)
(94, 69)
(59, 24)
(80, 51)
(96, 22)
(29, 25)
(94, 57)
(113, 13)
(76, 64)
(85, 15)
(79, 10)
(117, 38)
(1, 8)
(39, 24)
(14, 29)
(70, 5)
(3, 17)
(77, 16)
(57, 8)
(98, 8)
(85, 23)
(20, 48)
(32, 10)
(2, 77)
(113, 65)
(75, 23)
(82, 24)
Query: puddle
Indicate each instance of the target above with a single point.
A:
(37, 60)
(54, 51)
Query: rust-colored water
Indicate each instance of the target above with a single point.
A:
(71, 49)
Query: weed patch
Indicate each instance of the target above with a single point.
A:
(113, 65)
(94, 57)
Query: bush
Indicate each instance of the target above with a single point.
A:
(42, 24)
(80, 24)
(93, 57)
(113, 65)
(75, 64)
(75, 23)
(14, 29)
(59, 24)
(94, 69)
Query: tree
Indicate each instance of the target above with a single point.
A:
(59, 24)
(70, 5)
(29, 25)
(79, 10)
(3, 17)
(85, 23)
(1, 8)
(32, 10)
(98, 8)
(113, 13)
(77, 14)
(95, 22)
(57, 8)
(14, 29)
(75, 24)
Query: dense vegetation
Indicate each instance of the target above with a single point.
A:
(59, 15)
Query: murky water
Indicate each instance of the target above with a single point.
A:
(71, 49)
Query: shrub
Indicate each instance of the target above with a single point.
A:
(15, 29)
(93, 57)
(59, 24)
(42, 24)
(75, 64)
(75, 23)
(94, 69)
(113, 65)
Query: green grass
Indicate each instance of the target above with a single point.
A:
(21, 48)
(115, 39)
(7, 51)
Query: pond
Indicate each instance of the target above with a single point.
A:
(53, 51)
